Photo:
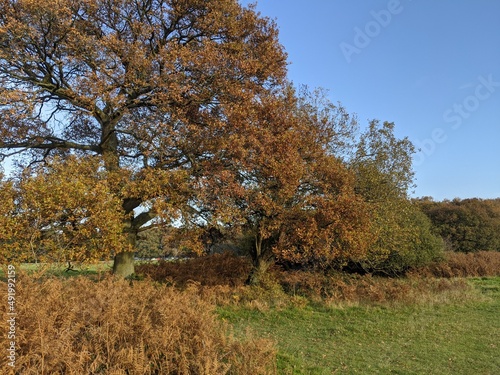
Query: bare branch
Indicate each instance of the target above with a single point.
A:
(47, 143)
(142, 219)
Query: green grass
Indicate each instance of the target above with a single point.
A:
(61, 269)
(462, 337)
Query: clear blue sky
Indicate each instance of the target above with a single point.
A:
(432, 67)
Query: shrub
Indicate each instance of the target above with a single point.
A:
(405, 241)
(482, 263)
(79, 326)
(219, 280)
(217, 269)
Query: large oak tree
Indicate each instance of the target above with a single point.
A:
(154, 89)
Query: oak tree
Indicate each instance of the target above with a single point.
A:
(155, 89)
(383, 176)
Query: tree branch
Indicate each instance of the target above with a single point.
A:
(129, 204)
(142, 219)
(47, 143)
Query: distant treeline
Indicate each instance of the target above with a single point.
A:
(466, 225)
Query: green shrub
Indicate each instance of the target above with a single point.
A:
(405, 241)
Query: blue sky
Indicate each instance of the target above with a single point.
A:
(432, 67)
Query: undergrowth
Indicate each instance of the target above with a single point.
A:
(80, 326)
(167, 323)
(479, 264)
(217, 269)
(219, 279)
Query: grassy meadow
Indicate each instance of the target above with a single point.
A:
(448, 334)
(198, 317)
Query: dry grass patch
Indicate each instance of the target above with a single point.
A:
(480, 264)
(353, 290)
(218, 269)
(79, 326)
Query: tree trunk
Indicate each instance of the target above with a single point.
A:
(262, 258)
(123, 265)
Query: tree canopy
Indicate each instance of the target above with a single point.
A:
(466, 225)
(128, 115)
(156, 89)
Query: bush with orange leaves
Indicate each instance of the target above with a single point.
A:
(59, 211)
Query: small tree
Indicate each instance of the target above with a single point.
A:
(285, 190)
(62, 211)
(403, 236)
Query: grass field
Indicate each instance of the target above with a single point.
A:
(61, 269)
(381, 326)
(441, 337)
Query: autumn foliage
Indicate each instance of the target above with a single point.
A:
(458, 264)
(80, 326)
(125, 116)
(155, 90)
(64, 211)
(174, 118)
